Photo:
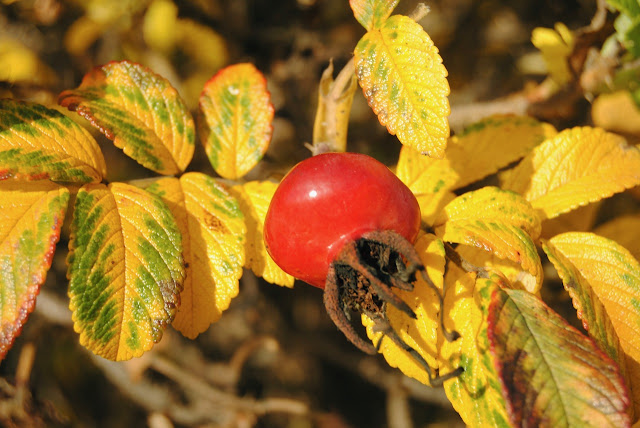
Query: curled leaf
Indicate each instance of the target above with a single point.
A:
(237, 113)
(40, 143)
(494, 220)
(125, 269)
(31, 215)
(140, 111)
(405, 83)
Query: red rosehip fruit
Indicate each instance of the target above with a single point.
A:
(328, 200)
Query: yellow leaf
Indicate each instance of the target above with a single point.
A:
(254, 198)
(494, 220)
(125, 269)
(574, 168)
(580, 219)
(31, 215)
(332, 113)
(616, 112)
(213, 227)
(624, 230)
(159, 26)
(40, 143)
(19, 64)
(237, 113)
(429, 179)
(81, 34)
(192, 36)
(555, 45)
(419, 333)
(492, 143)
(405, 83)
(475, 394)
(614, 276)
(512, 271)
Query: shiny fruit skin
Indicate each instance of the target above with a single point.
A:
(328, 200)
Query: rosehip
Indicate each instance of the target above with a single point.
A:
(345, 223)
(329, 200)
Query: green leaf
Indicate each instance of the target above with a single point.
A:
(40, 143)
(125, 269)
(372, 13)
(31, 215)
(551, 374)
(237, 113)
(405, 83)
(214, 234)
(140, 111)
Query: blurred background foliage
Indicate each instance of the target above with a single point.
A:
(272, 344)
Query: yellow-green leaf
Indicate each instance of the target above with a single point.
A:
(476, 394)
(254, 198)
(237, 112)
(372, 13)
(405, 83)
(551, 374)
(213, 228)
(492, 143)
(125, 269)
(332, 114)
(420, 333)
(574, 168)
(494, 220)
(614, 275)
(625, 230)
(590, 309)
(140, 111)
(429, 179)
(31, 215)
(39, 143)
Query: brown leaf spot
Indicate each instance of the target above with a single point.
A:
(214, 224)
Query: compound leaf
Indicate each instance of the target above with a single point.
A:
(125, 269)
(210, 219)
(237, 112)
(405, 83)
(372, 13)
(40, 143)
(254, 198)
(419, 333)
(495, 220)
(551, 374)
(574, 168)
(475, 394)
(493, 143)
(614, 275)
(140, 111)
(31, 215)
(430, 180)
